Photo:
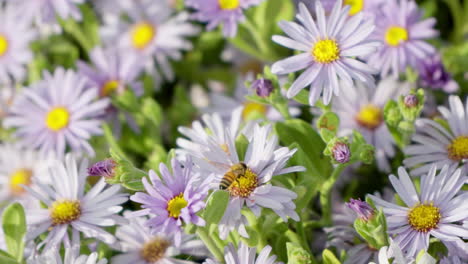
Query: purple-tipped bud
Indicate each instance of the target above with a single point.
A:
(263, 87)
(411, 100)
(341, 152)
(432, 74)
(362, 209)
(104, 168)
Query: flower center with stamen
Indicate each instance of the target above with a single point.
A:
(57, 118)
(175, 205)
(65, 211)
(253, 110)
(18, 178)
(3, 45)
(396, 35)
(244, 184)
(154, 250)
(142, 34)
(458, 149)
(424, 217)
(326, 51)
(370, 116)
(109, 87)
(229, 4)
(356, 6)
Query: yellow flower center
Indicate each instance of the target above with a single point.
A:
(424, 217)
(20, 177)
(3, 45)
(175, 205)
(109, 87)
(370, 116)
(396, 35)
(252, 110)
(229, 4)
(244, 184)
(356, 6)
(154, 250)
(57, 118)
(458, 149)
(326, 51)
(65, 211)
(142, 34)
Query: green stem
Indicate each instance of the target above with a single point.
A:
(257, 37)
(209, 242)
(254, 223)
(302, 235)
(325, 195)
(458, 19)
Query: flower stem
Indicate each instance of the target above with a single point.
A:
(458, 18)
(325, 195)
(210, 243)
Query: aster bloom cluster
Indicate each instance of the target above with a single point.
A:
(233, 132)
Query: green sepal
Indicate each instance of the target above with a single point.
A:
(373, 231)
(215, 207)
(329, 258)
(297, 255)
(14, 228)
(126, 173)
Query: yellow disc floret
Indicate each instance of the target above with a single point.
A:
(326, 51)
(228, 4)
(109, 87)
(65, 211)
(244, 185)
(3, 45)
(18, 178)
(154, 250)
(356, 6)
(175, 205)
(396, 35)
(458, 149)
(252, 109)
(424, 217)
(57, 118)
(142, 34)
(370, 116)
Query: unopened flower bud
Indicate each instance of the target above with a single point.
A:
(341, 152)
(411, 100)
(263, 87)
(104, 168)
(362, 209)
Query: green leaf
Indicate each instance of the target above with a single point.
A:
(215, 207)
(6, 258)
(14, 227)
(329, 257)
(152, 111)
(241, 146)
(297, 255)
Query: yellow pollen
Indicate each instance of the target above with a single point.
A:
(252, 108)
(229, 4)
(154, 250)
(458, 149)
(57, 118)
(326, 51)
(65, 211)
(356, 6)
(109, 87)
(175, 205)
(396, 35)
(142, 34)
(20, 177)
(225, 148)
(244, 185)
(424, 217)
(370, 117)
(3, 45)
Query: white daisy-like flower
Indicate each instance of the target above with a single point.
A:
(362, 110)
(436, 210)
(393, 254)
(246, 255)
(70, 208)
(72, 256)
(45, 11)
(439, 144)
(139, 246)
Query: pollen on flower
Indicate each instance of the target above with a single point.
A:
(458, 149)
(370, 116)
(65, 211)
(154, 250)
(57, 118)
(228, 4)
(251, 108)
(326, 51)
(142, 34)
(109, 87)
(18, 178)
(175, 205)
(396, 35)
(424, 217)
(3, 45)
(356, 6)
(244, 185)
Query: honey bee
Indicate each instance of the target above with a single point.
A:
(236, 171)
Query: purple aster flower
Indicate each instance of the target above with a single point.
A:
(226, 12)
(329, 48)
(432, 74)
(58, 112)
(368, 7)
(341, 152)
(47, 10)
(246, 255)
(263, 87)
(104, 168)
(362, 209)
(172, 200)
(402, 31)
(410, 100)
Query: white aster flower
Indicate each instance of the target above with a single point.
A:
(246, 255)
(393, 252)
(72, 256)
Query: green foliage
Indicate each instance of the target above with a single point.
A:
(297, 255)
(373, 231)
(126, 173)
(329, 257)
(215, 207)
(14, 227)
